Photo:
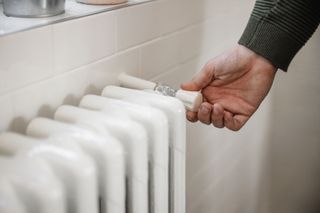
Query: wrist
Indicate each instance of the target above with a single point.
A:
(256, 60)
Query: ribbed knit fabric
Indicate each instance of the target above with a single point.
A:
(277, 29)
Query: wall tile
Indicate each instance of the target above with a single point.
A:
(190, 42)
(192, 11)
(159, 56)
(106, 71)
(136, 25)
(39, 99)
(179, 74)
(168, 16)
(81, 41)
(26, 57)
(43, 98)
(92, 78)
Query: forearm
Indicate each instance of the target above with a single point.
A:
(277, 29)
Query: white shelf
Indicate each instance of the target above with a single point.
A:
(73, 10)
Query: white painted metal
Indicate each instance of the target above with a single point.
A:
(175, 111)
(134, 139)
(29, 185)
(65, 158)
(9, 201)
(129, 81)
(191, 99)
(125, 149)
(106, 152)
(156, 124)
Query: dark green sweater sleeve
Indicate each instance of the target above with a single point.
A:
(277, 29)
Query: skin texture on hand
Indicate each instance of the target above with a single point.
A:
(233, 86)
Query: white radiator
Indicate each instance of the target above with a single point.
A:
(121, 152)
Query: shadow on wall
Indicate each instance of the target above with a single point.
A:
(20, 123)
(295, 144)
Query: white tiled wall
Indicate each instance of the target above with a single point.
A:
(25, 58)
(136, 25)
(82, 41)
(167, 40)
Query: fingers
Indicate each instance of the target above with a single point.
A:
(208, 114)
(192, 116)
(217, 116)
(214, 114)
(236, 122)
(201, 79)
(204, 113)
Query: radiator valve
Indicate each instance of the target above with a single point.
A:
(191, 99)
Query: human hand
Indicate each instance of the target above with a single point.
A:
(233, 86)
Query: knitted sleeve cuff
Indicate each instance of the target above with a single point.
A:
(270, 42)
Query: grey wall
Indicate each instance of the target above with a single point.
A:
(295, 138)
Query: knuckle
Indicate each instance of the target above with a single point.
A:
(208, 66)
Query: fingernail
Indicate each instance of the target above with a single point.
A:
(204, 109)
(215, 111)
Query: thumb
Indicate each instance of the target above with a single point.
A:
(201, 79)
